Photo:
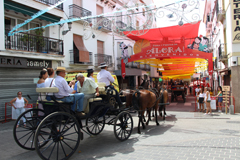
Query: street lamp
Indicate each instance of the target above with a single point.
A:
(69, 28)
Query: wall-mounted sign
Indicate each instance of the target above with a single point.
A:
(37, 63)
(235, 4)
(15, 62)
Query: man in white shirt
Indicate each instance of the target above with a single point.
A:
(106, 77)
(66, 92)
(88, 87)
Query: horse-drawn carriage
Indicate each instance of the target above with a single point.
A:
(55, 132)
(178, 90)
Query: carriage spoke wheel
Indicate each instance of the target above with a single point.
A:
(62, 132)
(95, 124)
(123, 126)
(25, 133)
(112, 101)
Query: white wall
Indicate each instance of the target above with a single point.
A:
(229, 29)
(2, 27)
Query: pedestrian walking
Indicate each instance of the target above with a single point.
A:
(201, 97)
(207, 101)
(197, 90)
(19, 103)
(220, 99)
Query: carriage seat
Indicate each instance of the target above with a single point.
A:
(48, 90)
(102, 88)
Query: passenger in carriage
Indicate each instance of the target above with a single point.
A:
(66, 92)
(49, 82)
(106, 77)
(90, 74)
(88, 87)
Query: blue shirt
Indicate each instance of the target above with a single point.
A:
(75, 86)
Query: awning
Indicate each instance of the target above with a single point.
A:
(29, 11)
(83, 52)
(188, 30)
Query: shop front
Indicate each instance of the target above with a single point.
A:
(18, 74)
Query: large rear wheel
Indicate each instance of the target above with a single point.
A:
(62, 132)
(123, 126)
(95, 124)
(24, 132)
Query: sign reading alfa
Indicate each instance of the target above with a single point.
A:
(235, 4)
(15, 62)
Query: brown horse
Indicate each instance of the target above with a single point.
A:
(128, 93)
(163, 99)
(145, 100)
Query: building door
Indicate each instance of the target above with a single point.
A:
(100, 52)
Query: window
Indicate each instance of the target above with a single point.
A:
(137, 25)
(100, 47)
(25, 27)
(143, 10)
(34, 25)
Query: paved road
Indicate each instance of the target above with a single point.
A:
(184, 135)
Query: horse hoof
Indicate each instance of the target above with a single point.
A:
(147, 124)
(157, 124)
(139, 132)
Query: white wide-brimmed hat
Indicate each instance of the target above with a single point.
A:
(102, 65)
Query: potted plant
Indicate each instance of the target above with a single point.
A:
(27, 42)
(40, 39)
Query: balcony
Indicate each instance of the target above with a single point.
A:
(33, 43)
(76, 11)
(51, 2)
(220, 11)
(74, 58)
(133, 65)
(104, 24)
(100, 58)
(222, 53)
(121, 25)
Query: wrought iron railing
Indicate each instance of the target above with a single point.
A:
(76, 11)
(52, 2)
(104, 23)
(33, 43)
(100, 58)
(133, 65)
(74, 57)
(121, 25)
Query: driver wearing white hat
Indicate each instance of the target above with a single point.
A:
(106, 77)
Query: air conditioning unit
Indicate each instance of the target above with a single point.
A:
(54, 46)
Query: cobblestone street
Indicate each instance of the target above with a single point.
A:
(184, 135)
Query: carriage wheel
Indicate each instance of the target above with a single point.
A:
(62, 132)
(112, 101)
(95, 124)
(25, 133)
(123, 126)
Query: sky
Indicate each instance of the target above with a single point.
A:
(165, 22)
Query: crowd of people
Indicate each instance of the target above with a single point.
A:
(78, 92)
(204, 95)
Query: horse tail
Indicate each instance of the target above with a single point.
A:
(135, 100)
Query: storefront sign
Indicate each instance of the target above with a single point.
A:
(13, 62)
(36, 63)
(235, 5)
